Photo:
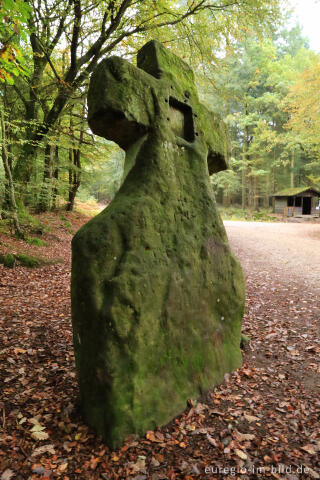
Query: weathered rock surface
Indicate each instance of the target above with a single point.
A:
(157, 296)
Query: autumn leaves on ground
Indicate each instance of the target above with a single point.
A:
(263, 422)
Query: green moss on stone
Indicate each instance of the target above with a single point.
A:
(157, 295)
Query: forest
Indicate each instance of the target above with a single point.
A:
(252, 67)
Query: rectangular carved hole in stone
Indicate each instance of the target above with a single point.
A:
(181, 119)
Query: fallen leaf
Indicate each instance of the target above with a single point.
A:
(139, 466)
(211, 440)
(39, 435)
(241, 454)
(312, 449)
(242, 437)
(37, 428)
(63, 467)
(34, 420)
(7, 474)
(294, 353)
(251, 418)
(154, 462)
(155, 436)
(44, 449)
(312, 348)
(19, 350)
(312, 473)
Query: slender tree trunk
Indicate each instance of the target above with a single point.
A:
(6, 203)
(255, 192)
(226, 197)
(250, 192)
(45, 192)
(7, 169)
(267, 191)
(56, 179)
(74, 176)
(75, 164)
(246, 180)
(292, 170)
(243, 187)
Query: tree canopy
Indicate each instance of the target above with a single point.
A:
(247, 69)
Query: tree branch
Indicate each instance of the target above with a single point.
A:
(20, 95)
(75, 33)
(60, 28)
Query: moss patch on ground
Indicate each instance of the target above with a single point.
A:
(10, 260)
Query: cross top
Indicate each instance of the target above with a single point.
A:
(125, 102)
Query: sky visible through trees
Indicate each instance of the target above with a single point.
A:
(307, 12)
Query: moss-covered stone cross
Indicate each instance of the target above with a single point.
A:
(125, 103)
(157, 295)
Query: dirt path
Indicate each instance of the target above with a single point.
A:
(292, 249)
(263, 422)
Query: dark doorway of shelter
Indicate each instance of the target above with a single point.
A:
(306, 206)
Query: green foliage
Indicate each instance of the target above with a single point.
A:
(238, 214)
(102, 178)
(47, 107)
(29, 221)
(38, 242)
(7, 260)
(13, 33)
(253, 95)
(52, 152)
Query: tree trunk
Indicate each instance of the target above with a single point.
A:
(56, 179)
(45, 192)
(26, 161)
(6, 202)
(292, 170)
(226, 197)
(75, 164)
(243, 187)
(7, 169)
(255, 193)
(74, 176)
(245, 171)
(267, 191)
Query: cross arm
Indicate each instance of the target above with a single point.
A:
(121, 103)
(217, 140)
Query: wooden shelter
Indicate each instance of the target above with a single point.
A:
(297, 201)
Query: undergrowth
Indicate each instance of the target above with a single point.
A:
(237, 213)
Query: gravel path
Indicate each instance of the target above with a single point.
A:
(289, 249)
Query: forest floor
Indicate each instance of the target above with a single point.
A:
(263, 422)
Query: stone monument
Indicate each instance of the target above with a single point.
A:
(157, 295)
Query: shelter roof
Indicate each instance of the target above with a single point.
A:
(291, 192)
